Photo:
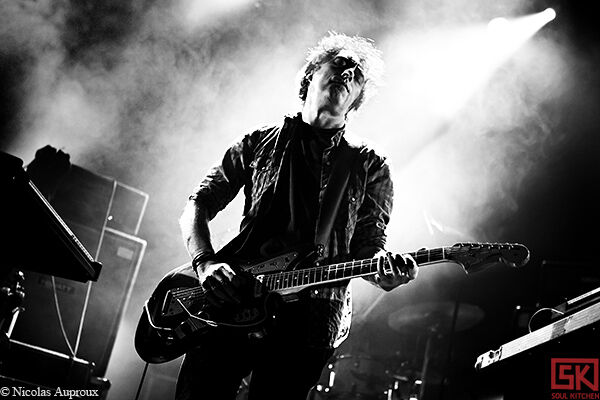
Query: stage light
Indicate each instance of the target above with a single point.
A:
(512, 33)
(549, 13)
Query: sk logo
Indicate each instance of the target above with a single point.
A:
(574, 374)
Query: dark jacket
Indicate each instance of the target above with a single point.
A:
(254, 163)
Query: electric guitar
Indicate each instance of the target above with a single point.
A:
(177, 314)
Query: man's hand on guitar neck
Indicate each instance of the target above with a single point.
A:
(220, 283)
(400, 269)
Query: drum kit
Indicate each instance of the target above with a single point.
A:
(359, 376)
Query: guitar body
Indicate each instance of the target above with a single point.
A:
(152, 344)
(177, 316)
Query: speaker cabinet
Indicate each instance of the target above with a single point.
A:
(50, 302)
(27, 365)
(88, 198)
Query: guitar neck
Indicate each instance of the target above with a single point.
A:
(471, 256)
(303, 277)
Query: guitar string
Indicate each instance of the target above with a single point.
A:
(298, 273)
(302, 274)
(305, 275)
(308, 274)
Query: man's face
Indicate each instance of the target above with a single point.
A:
(338, 82)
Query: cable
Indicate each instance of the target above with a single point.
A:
(536, 313)
(60, 321)
(83, 312)
(448, 361)
(139, 390)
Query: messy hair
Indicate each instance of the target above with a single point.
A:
(328, 47)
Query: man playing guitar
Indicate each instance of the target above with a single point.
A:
(285, 172)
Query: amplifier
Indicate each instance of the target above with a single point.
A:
(85, 197)
(39, 324)
(88, 198)
(33, 365)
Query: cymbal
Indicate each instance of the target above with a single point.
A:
(436, 316)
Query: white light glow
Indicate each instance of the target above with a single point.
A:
(498, 25)
(451, 173)
(451, 65)
(198, 12)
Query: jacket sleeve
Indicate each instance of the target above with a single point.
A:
(375, 210)
(223, 181)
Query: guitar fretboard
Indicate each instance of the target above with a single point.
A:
(347, 270)
(469, 255)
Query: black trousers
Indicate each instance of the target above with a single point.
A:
(281, 369)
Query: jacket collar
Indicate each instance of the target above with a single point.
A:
(294, 119)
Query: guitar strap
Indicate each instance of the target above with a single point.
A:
(334, 192)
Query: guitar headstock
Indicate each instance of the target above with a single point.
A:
(478, 256)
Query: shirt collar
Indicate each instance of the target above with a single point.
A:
(335, 139)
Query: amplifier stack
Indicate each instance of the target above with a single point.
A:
(65, 334)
